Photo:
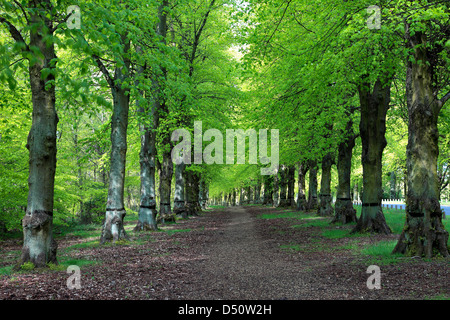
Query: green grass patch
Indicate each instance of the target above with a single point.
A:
(173, 231)
(381, 253)
(320, 223)
(342, 233)
(287, 214)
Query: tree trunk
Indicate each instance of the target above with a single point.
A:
(203, 199)
(374, 106)
(257, 192)
(147, 207)
(113, 228)
(249, 195)
(179, 207)
(291, 185)
(423, 234)
(312, 190)
(276, 195)
(344, 211)
(39, 247)
(325, 207)
(283, 186)
(301, 197)
(268, 191)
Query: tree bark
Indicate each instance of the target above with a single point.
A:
(276, 191)
(283, 186)
(291, 186)
(301, 197)
(374, 106)
(113, 228)
(257, 192)
(147, 207)
(325, 207)
(39, 247)
(423, 234)
(312, 189)
(268, 191)
(179, 207)
(344, 211)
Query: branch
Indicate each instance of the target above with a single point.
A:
(22, 9)
(444, 99)
(103, 69)
(15, 34)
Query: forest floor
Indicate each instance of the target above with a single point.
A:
(248, 252)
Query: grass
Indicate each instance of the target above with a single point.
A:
(288, 214)
(381, 253)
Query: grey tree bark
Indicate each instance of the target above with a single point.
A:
(39, 247)
(179, 206)
(325, 207)
(312, 188)
(268, 190)
(424, 233)
(344, 211)
(301, 196)
(374, 105)
(283, 186)
(291, 185)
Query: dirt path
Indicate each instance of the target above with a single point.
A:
(225, 254)
(242, 265)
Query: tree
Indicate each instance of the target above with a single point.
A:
(39, 247)
(424, 233)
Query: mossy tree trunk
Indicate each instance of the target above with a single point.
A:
(344, 211)
(39, 247)
(301, 196)
(423, 234)
(374, 106)
(325, 207)
(312, 188)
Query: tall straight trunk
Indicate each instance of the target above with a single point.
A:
(312, 188)
(291, 185)
(165, 185)
(203, 199)
(423, 234)
(301, 196)
(166, 167)
(147, 206)
(276, 191)
(179, 206)
(374, 106)
(325, 207)
(283, 186)
(257, 192)
(344, 211)
(268, 190)
(113, 228)
(233, 199)
(192, 193)
(250, 194)
(39, 247)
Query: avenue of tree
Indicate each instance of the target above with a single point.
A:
(89, 104)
